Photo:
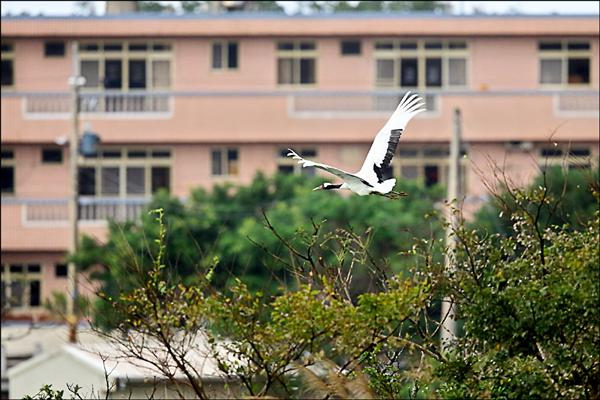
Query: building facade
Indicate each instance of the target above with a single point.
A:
(190, 101)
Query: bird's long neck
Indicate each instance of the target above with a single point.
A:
(333, 187)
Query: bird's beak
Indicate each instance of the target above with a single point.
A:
(318, 188)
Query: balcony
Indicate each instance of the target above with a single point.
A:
(57, 105)
(299, 116)
(55, 211)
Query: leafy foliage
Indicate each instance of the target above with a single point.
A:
(225, 228)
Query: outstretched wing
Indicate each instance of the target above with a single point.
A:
(346, 176)
(385, 143)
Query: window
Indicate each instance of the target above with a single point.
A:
(428, 165)
(224, 162)
(7, 177)
(421, 64)
(127, 65)
(21, 285)
(52, 156)
(287, 165)
(125, 172)
(564, 63)
(350, 47)
(61, 270)
(7, 74)
(574, 157)
(224, 55)
(54, 49)
(296, 63)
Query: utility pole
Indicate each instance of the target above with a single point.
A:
(448, 331)
(75, 81)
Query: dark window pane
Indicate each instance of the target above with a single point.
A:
(285, 169)
(550, 152)
(308, 153)
(60, 270)
(432, 175)
(8, 154)
(6, 77)
(578, 46)
(408, 46)
(111, 154)
(232, 59)
(16, 268)
(110, 178)
(285, 46)
(87, 181)
(217, 165)
(307, 46)
(350, 47)
(457, 45)
(409, 172)
(433, 45)
(232, 154)
(408, 152)
(436, 152)
(136, 179)
(34, 268)
(113, 74)
(54, 49)
(408, 72)
(113, 47)
(433, 72)
(89, 47)
(384, 46)
(34, 293)
(52, 155)
(579, 70)
(136, 153)
(307, 70)
(137, 74)
(161, 153)
(8, 179)
(160, 178)
(550, 46)
(161, 47)
(138, 47)
(6, 47)
(217, 54)
(580, 152)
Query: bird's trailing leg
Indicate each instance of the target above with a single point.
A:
(392, 195)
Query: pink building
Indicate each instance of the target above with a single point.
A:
(187, 101)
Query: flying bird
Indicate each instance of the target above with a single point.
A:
(369, 179)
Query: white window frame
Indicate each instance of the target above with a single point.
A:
(226, 169)
(122, 163)
(296, 54)
(224, 55)
(564, 54)
(25, 277)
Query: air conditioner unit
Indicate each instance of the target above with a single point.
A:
(517, 145)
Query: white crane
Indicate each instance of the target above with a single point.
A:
(369, 179)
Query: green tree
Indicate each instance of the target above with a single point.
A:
(227, 226)
(568, 199)
(527, 302)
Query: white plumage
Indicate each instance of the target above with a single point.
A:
(369, 179)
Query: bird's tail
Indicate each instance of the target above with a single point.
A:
(386, 186)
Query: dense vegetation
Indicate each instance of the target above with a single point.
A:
(526, 295)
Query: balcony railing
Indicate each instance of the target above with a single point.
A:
(310, 103)
(36, 211)
(109, 103)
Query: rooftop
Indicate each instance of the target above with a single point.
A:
(281, 25)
